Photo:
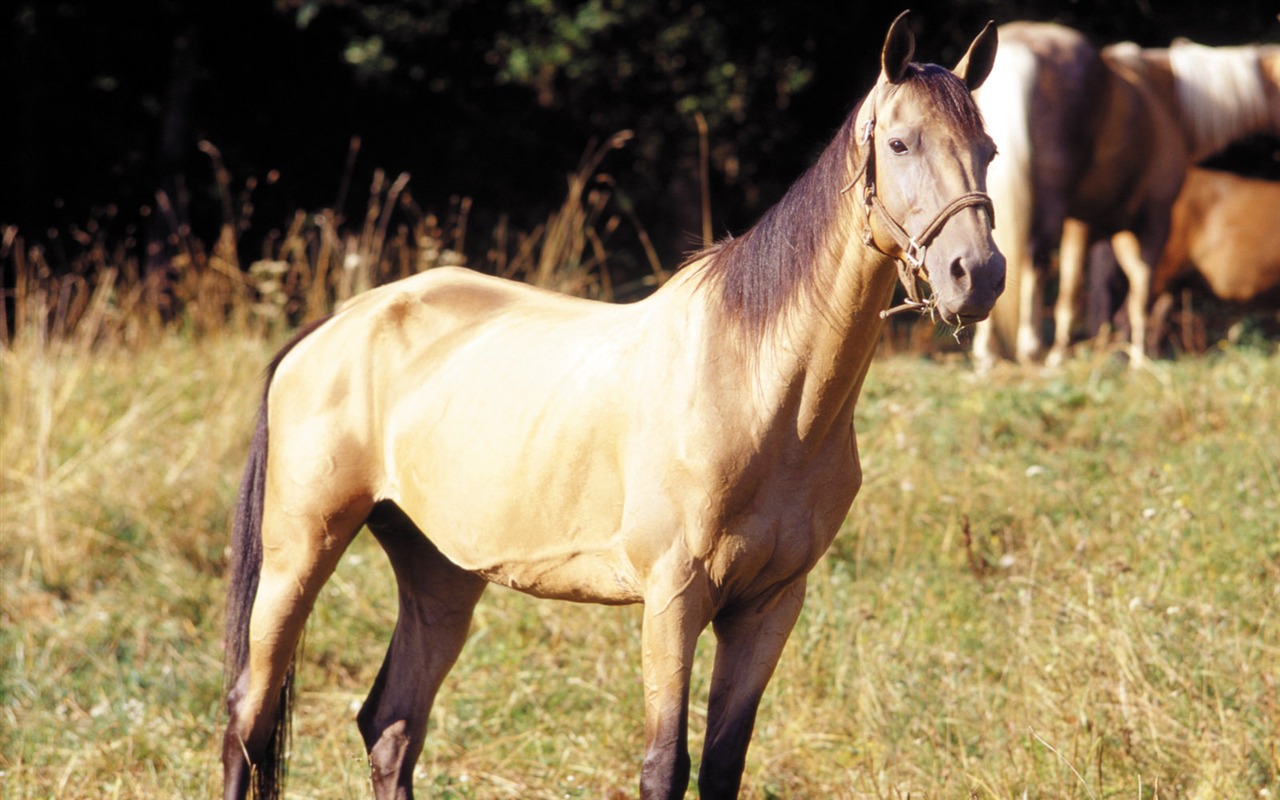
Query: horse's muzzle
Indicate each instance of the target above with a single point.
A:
(969, 289)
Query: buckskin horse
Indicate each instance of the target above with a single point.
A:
(1095, 144)
(693, 452)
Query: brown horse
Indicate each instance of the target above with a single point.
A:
(1226, 233)
(1098, 142)
(693, 452)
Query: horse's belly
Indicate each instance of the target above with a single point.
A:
(577, 576)
(513, 471)
(511, 533)
(544, 528)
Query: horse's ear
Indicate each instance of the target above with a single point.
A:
(975, 65)
(899, 45)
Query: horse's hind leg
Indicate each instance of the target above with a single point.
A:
(298, 556)
(436, 601)
(1137, 268)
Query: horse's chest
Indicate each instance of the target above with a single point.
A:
(777, 538)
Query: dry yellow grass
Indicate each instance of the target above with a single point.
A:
(1107, 628)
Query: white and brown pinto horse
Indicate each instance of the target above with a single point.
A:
(693, 452)
(1095, 144)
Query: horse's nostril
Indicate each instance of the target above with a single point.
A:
(958, 272)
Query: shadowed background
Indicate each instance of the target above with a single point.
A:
(493, 101)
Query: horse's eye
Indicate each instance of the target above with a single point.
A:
(897, 146)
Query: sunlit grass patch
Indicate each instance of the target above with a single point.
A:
(1052, 585)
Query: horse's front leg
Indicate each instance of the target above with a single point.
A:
(1135, 259)
(749, 642)
(1028, 348)
(1073, 254)
(677, 607)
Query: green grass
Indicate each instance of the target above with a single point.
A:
(1052, 585)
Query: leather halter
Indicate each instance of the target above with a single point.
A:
(911, 269)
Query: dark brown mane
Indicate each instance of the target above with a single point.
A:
(765, 271)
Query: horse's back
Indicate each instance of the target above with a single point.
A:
(442, 300)
(396, 329)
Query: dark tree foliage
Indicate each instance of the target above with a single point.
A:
(492, 99)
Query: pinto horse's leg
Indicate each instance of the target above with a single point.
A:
(676, 608)
(1072, 256)
(749, 643)
(436, 601)
(1138, 270)
(1028, 348)
(986, 352)
(1159, 328)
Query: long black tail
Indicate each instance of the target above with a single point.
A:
(267, 771)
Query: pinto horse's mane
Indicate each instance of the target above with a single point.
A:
(762, 274)
(1220, 92)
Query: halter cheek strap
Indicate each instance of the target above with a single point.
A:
(911, 269)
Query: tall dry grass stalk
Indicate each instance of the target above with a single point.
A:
(89, 287)
(569, 253)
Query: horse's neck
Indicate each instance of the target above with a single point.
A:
(841, 343)
(807, 370)
(793, 304)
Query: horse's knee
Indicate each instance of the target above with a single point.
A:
(367, 717)
(1028, 348)
(665, 774)
(393, 739)
(391, 759)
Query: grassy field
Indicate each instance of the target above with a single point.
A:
(1053, 585)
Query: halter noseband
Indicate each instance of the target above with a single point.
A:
(911, 268)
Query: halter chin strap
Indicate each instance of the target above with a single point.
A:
(911, 269)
